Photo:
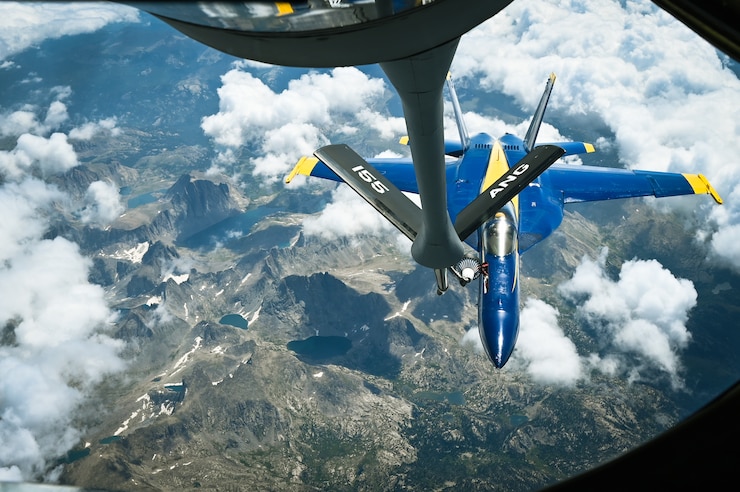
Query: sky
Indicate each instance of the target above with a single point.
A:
(665, 99)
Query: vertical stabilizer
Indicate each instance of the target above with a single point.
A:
(461, 128)
(534, 126)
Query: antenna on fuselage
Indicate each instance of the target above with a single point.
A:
(534, 126)
(461, 128)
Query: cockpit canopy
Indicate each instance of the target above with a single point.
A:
(501, 235)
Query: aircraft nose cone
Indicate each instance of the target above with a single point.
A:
(499, 334)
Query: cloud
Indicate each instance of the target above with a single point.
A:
(26, 120)
(49, 315)
(49, 155)
(667, 97)
(18, 122)
(284, 145)
(33, 150)
(49, 312)
(548, 355)
(25, 24)
(90, 129)
(472, 339)
(388, 128)
(160, 316)
(347, 215)
(638, 322)
(280, 127)
(102, 204)
(640, 319)
(56, 115)
(22, 204)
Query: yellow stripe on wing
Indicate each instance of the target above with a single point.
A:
(304, 166)
(701, 185)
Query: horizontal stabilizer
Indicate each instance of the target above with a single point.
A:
(375, 188)
(505, 189)
(573, 148)
(453, 148)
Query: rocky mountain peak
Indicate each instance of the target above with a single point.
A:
(159, 254)
(200, 203)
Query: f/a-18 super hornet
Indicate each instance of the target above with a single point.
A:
(503, 196)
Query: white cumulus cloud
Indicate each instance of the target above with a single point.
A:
(669, 99)
(102, 204)
(547, 354)
(347, 215)
(92, 128)
(26, 120)
(642, 314)
(49, 315)
(25, 24)
(280, 127)
(49, 155)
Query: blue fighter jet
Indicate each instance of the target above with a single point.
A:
(503, 196)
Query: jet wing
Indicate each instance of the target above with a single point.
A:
(591, 183)
(372, 186)
(399, 171)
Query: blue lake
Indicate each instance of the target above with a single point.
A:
(234, 320)
(175, 388)
(109, 439)
(140, 200)
(229, 229)
(75, 455)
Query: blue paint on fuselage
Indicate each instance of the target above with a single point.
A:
(540, 212)
(498, 308)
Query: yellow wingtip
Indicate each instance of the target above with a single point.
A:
(589, 147)
(304, 166)
(404, 140)
(711, 190)
(701, 185)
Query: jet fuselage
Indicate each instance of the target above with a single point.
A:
(497, 240)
